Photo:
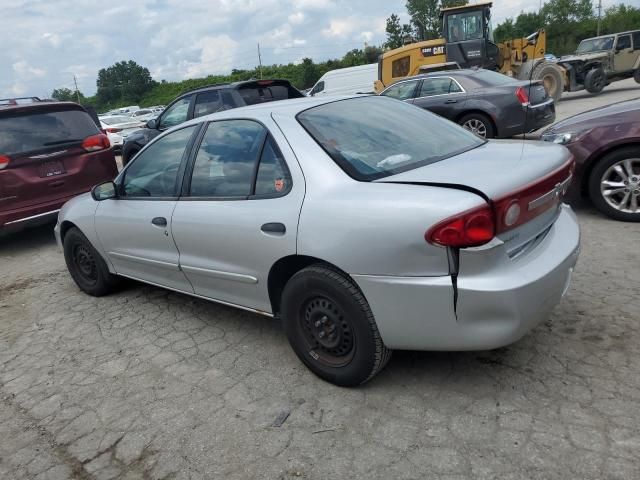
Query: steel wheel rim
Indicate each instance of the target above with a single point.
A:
(85, 264)
(620, 186)
(327, 333)
(476, 126)
(598, 80)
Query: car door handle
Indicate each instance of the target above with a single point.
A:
(159, 222)
(274, 227)
(451, 100)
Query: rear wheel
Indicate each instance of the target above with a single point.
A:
(479, 124)
(551, 77)
(595, 80)
(86, 266)
(614, 185)
(331, 327)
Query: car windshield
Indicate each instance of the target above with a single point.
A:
(595, 45)
(378, 136)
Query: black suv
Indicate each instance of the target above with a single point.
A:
(206, 100)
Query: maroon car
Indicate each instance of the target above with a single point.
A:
(606, 145)
(49, 153)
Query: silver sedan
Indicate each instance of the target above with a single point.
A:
(366, 224)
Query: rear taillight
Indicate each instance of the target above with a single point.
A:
(528, 202)
(468, 229)
(4, 161)
(522, 96)
(112, 130)
(478, 226)
(96, 142)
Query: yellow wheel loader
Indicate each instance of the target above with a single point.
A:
(468, 42)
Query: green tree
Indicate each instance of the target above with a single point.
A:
(67, 95)
(396, 32)
(123, 82)
(425, 16)
(371, 54)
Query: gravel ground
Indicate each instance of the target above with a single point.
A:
(151, 384)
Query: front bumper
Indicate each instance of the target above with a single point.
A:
(499, 298)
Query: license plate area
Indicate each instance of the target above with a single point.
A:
(51, 168)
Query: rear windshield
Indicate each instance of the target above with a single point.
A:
(257, 93)
(492, 78)
(29, 131)
(374, 137)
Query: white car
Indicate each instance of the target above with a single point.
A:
(118, 127)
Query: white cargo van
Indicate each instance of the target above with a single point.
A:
(347, 81)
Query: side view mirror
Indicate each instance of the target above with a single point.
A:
(104, 191)
(152, 124)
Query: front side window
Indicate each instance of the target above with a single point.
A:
(636, 40)
(400, 67)
(154, 172)
(176, 113)
(227, 158)
(401, 91)
(373, 137)
(624, 42)
(318, 88)
(438, 86)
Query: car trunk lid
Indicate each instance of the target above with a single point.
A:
(506, 173)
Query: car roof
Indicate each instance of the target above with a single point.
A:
(43, 105)
(232, 85)
(290, 108)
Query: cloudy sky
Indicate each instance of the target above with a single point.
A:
(44, 43)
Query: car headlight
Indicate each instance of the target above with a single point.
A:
(562, 138)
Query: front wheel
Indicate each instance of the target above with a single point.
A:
(614, 185)
(86, 266)
(478, 124)
(331, 327)
(595, 80)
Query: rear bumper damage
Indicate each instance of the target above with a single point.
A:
(499, 299)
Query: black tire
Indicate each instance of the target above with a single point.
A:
(595, 80)
(128, 155)
(470, 119)
(601, 169)
(321, 300)
(86, 266)
(636, 75)
(551, 77)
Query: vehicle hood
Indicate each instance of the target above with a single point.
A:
(581, 57)
(617, 112)
(496, 168)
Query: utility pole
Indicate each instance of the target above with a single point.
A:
(77, 91)
(259, 59)
(599, 16)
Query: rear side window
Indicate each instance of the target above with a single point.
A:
(636, 40)
(400, 67)
(438, 86)
(36, 130)
(267, 91)
(624, 42)
(273, 176)
(377, 137)
(211, 102)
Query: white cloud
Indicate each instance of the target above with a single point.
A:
(43, 43)
(23, 69)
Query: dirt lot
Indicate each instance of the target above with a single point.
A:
(152, 384)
